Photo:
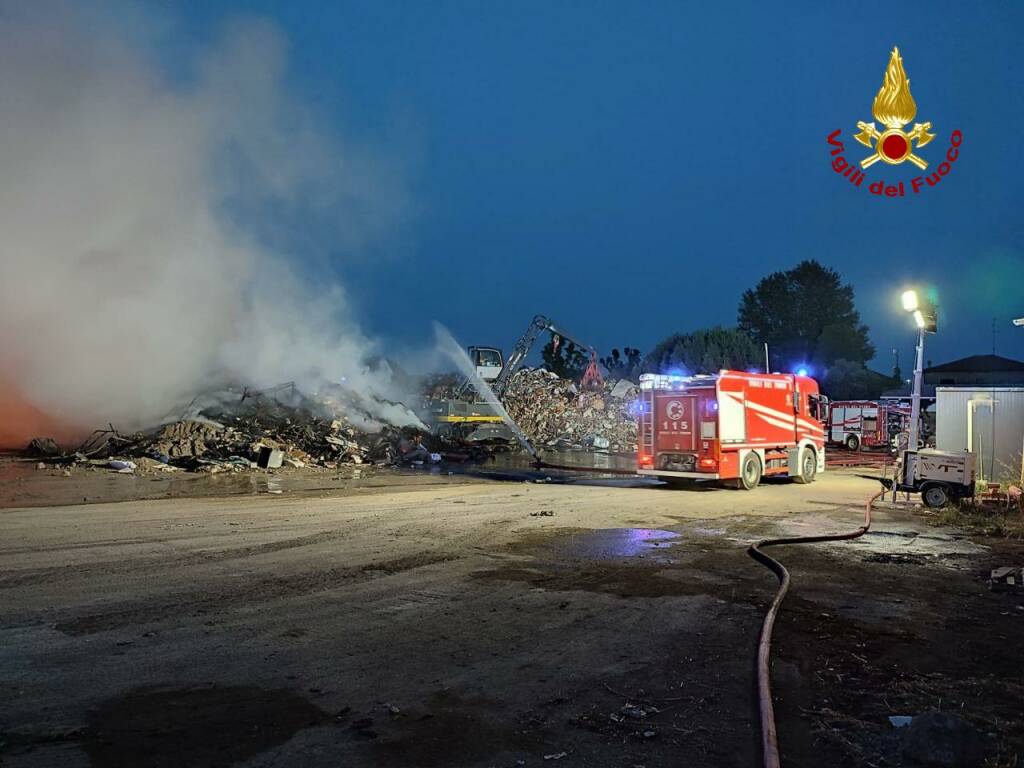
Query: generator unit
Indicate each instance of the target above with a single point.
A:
(939, 476)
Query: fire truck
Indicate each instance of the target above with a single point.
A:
(859, 424)
(733, 427)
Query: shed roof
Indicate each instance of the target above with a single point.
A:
(978, 364)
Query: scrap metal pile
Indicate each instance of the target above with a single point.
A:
(242, 429)
(555, 413)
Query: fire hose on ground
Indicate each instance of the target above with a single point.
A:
(769, 738)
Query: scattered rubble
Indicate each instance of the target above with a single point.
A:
(555, 413)
(242, 429)
(1006, 579)
(237, 430)
(42, 446)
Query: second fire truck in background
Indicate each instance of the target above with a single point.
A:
(858, 424)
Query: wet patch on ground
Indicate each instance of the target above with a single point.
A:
(629, 562)
(610, 470)
(515, 669)
(649, 544)
(888, 544)
(197, 727)
(23, 485)
(906, 613)
(623, 581)
(907, 545)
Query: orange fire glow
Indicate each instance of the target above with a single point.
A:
(21, 420)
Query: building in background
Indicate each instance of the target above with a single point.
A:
(976, 371)
(986, 420)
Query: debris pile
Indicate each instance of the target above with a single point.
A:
(235, 430)
(555, 413)
(42, 447)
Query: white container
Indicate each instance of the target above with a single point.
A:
(986, 421)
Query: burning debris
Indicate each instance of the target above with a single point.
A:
(243, 429)
(555, 413)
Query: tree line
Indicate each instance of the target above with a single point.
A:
(807, 317)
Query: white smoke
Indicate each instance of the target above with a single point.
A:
(126, 282)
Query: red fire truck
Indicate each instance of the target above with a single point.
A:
(866, 423)
(733, 426)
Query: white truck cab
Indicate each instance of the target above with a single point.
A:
(488, 362)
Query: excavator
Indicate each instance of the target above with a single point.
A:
(468, 416)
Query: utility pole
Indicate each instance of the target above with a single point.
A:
(926, 320)
(915, 400)
(1019, 322)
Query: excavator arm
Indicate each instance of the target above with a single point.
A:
(537, 326)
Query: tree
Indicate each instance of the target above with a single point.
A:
(705, 351)
(622, 366)
(843, 342)
(806, 315)
(850, 380)
(564, 359)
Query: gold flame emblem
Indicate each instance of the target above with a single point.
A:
(894, 107)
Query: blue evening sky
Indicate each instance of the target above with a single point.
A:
(629, 168)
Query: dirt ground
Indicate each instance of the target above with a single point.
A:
(435, 620)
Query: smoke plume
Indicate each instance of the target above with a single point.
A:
(145, 217)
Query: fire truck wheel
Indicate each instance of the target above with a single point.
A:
(853, 442)
(935, 495)
(750, 473)
(808, 467)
